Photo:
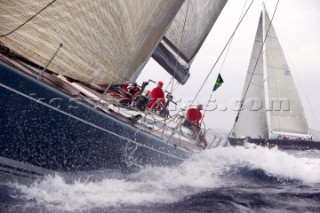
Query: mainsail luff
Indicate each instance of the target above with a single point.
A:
(103, 41)
(186, 35)
(285, 110)
(252, 118)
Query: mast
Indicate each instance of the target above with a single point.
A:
(265, 75)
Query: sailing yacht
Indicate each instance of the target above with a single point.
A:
(271, 112)
(52, 56)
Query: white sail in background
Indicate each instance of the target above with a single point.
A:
(286, 114)
(103, 41)
(251, 119)
(271, 85)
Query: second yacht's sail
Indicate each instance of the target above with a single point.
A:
(285, 110)
(272, 106)
(251, 119)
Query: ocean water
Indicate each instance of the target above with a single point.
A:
(230, 179)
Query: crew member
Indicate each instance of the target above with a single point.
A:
(134, 90)
(117, 90)
(192, 122)
(157, 97)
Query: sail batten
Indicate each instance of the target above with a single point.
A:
(103, 41)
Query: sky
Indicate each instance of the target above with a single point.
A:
(297, 24)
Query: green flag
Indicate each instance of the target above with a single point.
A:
(218, 83)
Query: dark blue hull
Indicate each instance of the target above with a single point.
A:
(281, 144)
(46, 128)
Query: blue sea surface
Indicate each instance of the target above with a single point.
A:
(229, 179)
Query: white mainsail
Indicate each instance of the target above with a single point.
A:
(271, 85)
(252, 119)
(103, 40)
(285, 111)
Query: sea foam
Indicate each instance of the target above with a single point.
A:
(153, 185)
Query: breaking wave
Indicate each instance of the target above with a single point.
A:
(206, 171)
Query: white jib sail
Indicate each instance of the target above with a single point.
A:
(252, 118)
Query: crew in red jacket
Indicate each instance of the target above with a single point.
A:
(192, 121)
(157, 96)
(194, 115)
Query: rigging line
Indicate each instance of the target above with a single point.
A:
(229, 45)
(220, 55)
(179, 48)
(176, 86)
(169, 83)
(254, 69)
(179, 51)
(32, 17)
(157, 121)
(205, 109)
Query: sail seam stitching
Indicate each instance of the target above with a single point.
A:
(32, 17)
